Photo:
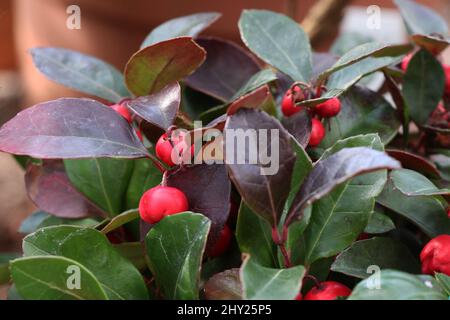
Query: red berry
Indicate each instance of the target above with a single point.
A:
(288, 104)
(164, 148)
(160, 202)
(222, 243)
(317, 133)
(123, 111)
(329, 108)
(435, 256)
(447, 79)
(328, 290)
(406, 60)
(299, 297)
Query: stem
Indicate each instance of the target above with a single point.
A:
(280, 241)
(286, 255)
(164, 179)
(314, 279)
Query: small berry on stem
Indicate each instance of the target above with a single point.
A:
(317, 133)
(170, 146)
(328, 290)
(435, 256)
(329, 108)
(288, 106)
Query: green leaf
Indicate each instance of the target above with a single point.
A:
(81, 72)
(279, 41)
(254, 236)
(382, 252)
(379, 223)
(175, 249)
(420, 19)
(339, 218)
(134, 252)
(41, 219)
(423, 86)
(89, 247)
(48, 277)
(347, 41)
(427, 212)
(444, 282)
(363, 111)
(120, 220)
(144, 177)
(4, 266)
(104, 181)
(259, 79)
(186, 26)
(395, 285)
(412, 183)
(154, 67)
(261, 283)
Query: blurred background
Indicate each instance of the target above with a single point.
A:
(113, 29)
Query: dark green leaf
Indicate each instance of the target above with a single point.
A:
(120, 220)
(423, 86)
(47, 278)
(395, 285)
(444, 282)
(175, 249)
(186, 26)
(349, 40)
(5, 258)
(261, 283)
(384, 253)
(80, 72)
(412, 183)
(103, 181)
(379, 223)
(279, 41)
(41, 219)
(154, 67)
(134, 252)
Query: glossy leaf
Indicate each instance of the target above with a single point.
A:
(50, 189)
(70, 128)
(160, 108)
(226, 70)
(258, 80)
(382, 252)
(42, 219)
(349, 40)
(261, 283)
(395, 285)
(224, 286)
(379, 223)
(118, 277)
(362, 111)
(279, 41)
(80, 72)
(252, 100)
(120, 220)
(412, 183)
(207, 188)
(186, 26)
(299, 125)
(336, 169)
(264, 194)
(175, 249)
(423, 86)
(420, 19)
(414, 162)
(46, 278)
(444, 282)
(427, 212)
(254, 236)
(154, 67)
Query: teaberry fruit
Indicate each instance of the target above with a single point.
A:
(164, 148)
(328, 290)
(122, 110)
(435, 256)
(160, 202)
(222, 243)
(405, 62)
(288, 106)
(317, 133)
(329, 108)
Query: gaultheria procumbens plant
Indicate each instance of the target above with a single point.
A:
(300, 182)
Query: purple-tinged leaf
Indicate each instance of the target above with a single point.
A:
(227, 68)
(207, 188)
(50, 189)
(80, 72)
(251, 100)
(154, 67)
(336, 169)
(186, 26)
(160, 109)
(414, 162)
(70, 128)
(224, 286)
(299, 126)
(263, 186)
(322, 61)
(435, 44)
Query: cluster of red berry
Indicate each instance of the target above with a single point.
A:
(327, 109)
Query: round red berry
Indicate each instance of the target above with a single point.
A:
(328, 290)
(329, 108)
(222, 243)
(317, 133)
(160, 202)
(171, 152)
(435, 256)
(288, 106)
(123, 111)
